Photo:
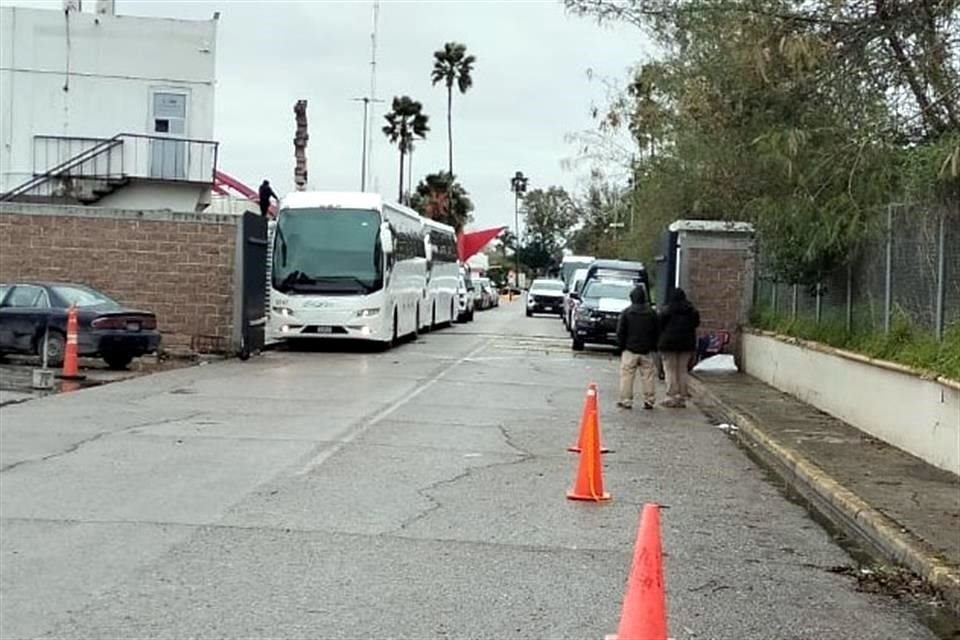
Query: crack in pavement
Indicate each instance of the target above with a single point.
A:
(521, 456)
(97, 436)
(216, 526)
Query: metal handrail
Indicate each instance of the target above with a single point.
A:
(78, 159)
(102, 146)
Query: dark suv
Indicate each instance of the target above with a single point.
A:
(598, 312)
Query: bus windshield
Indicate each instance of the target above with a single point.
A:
(327, 251)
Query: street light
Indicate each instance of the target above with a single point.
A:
(518, 184)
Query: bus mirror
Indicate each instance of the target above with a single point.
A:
(386, 239)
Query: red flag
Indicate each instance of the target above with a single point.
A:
(470, 244)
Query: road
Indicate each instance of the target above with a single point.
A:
(417, 493)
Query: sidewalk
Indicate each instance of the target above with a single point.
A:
(897, 504)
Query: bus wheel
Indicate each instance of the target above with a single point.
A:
(433, 318)
(416, 324)
(396, 330)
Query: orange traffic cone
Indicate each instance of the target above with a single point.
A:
(71, 370)
(589, 404)
(644, 604)
(589, 481)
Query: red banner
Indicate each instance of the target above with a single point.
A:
(470, 244)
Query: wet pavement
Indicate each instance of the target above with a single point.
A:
(417, 493)
(16, 376)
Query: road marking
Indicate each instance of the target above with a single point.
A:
(380, 416)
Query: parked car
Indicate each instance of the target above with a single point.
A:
(486, 296)
(599, 310)
(106, 329)
(570, 300)
(466, 297)
(494, 294)
(545, 296)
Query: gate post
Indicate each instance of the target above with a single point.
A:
(716, 268)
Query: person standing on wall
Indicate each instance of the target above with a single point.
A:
(678, 342)
(637, 334)
(266, 192)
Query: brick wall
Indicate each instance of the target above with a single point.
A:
(180, 266)
(717, 274)
(717, 278)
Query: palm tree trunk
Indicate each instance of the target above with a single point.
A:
(400, 189)
(450, 126)
(410, 178)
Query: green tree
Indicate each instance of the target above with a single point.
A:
(405, 122)
(440, 197)
(452, 65)
(549, 216)
(804, 118)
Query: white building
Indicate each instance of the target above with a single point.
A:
(106, 109)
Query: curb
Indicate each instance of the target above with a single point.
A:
(842, 506)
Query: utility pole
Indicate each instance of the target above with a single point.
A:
(518, 184)
(363, 156)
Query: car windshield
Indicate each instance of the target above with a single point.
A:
(82, 297)
(547, 285)
(327, 251)
(616, 290)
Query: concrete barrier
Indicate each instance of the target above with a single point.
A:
(916, 413)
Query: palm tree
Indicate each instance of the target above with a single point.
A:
(452, 64)
(405, 122)
(440, 197)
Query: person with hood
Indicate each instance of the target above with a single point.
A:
(678, 342)
(266, 192)
(637, 333)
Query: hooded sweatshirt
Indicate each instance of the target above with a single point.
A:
(678, 324)
(638, 329)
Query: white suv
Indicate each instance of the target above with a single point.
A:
(545, 296)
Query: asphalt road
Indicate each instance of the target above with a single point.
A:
(417, 493)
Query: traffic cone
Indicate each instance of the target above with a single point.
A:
(589, 404)
(589, 481)
(644, 604)
(71, 370)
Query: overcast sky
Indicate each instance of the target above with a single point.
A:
(531, 87)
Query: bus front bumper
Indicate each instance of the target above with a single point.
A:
(284, 328)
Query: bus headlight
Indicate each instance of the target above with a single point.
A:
(368, 313)
(286, 312)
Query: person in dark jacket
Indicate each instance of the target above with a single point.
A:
(678, 342)
(266, 192)
(637, 333)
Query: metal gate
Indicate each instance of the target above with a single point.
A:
(253, 291)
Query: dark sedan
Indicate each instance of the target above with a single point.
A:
(106, 329)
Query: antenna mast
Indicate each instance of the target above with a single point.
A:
(373, 92)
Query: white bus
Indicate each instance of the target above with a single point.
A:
(443, 273)
(346, 265)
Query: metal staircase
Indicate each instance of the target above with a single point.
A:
(102, 166)
(73, 168)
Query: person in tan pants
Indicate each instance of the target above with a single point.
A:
(637, 333)
(678, 342)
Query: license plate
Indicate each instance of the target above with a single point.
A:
(133, 326)
(324, 329)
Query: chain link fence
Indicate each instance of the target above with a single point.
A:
(909, 268)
